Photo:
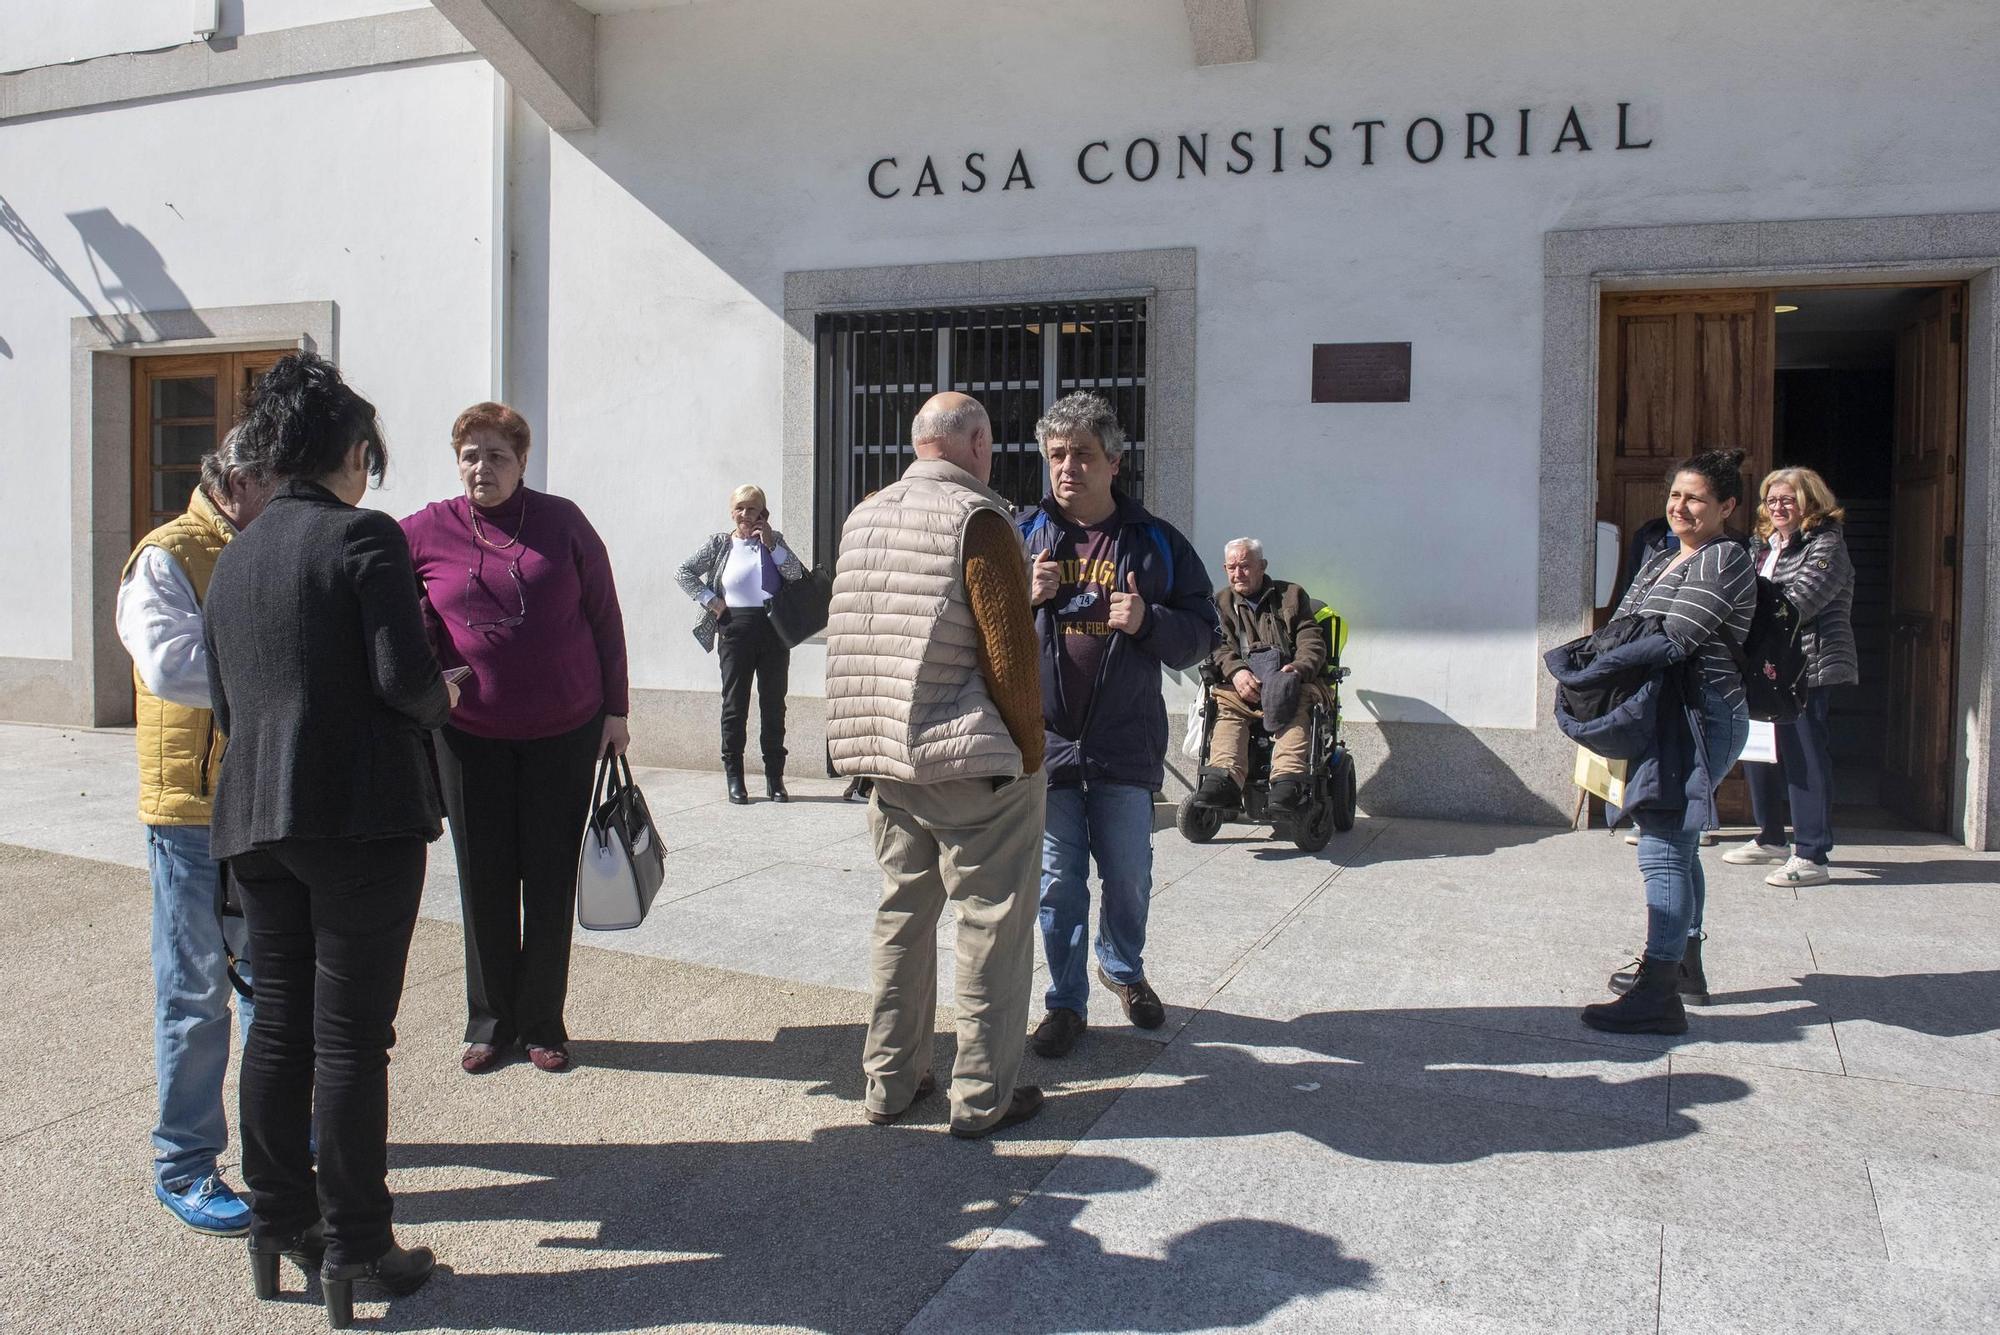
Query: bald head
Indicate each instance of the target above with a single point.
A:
(954, 427)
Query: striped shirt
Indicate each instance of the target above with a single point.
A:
(1711, 594)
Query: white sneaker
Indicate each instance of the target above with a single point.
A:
(1754, 854)
(1799, 871)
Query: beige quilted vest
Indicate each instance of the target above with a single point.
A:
(904, 696)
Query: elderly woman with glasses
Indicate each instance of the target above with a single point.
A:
(523, 612)
(1803, 553)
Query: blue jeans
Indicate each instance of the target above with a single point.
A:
(1113, 823)
(190, 1001)
(1669, 855)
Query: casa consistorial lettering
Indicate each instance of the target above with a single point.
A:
(1470, 136)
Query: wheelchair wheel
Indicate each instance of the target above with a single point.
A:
(1314, 827)
(1343, 797)
(1198, 824)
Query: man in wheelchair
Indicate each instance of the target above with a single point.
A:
(1270, 663)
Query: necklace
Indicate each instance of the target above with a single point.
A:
(480, 533)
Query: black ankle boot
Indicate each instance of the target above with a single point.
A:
(1693, 985)
(732, 775)
(1653, 1006)
(400, 1270)
(774, 782)
(306, 1250)
(1219, 790)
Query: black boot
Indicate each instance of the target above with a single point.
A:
(1653, 1006)
(1218, 790)
(1693, 981)
(732, 775)
(306, 1250)
(400, 1270)
(774, 781)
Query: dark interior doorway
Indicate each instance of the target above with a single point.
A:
(1849, 403)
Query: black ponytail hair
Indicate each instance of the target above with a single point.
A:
(1721, 469)
(302, 419)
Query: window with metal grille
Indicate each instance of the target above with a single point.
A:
(874, 369)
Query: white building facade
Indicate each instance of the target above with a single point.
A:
(1415, 295)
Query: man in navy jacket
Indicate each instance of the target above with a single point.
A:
(1118, 594)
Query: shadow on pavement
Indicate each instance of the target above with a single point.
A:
(853, 1230)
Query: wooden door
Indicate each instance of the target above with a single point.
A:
(181, 408)
(1923, 561)
(1682, 372)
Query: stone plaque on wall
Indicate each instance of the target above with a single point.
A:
(1361, 373)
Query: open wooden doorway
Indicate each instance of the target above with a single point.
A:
(1866, 385)
(1681, 372)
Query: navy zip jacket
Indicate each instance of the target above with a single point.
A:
(1124, 733)
(1657, 727)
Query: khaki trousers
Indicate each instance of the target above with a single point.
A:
(1229, 743)
(979, 847)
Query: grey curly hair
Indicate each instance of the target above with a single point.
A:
(227, 458)
(1082, 413)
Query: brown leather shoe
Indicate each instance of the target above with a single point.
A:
(1027, 1101)
(1141, 1002)
(480, 1058)
(925, 1088)
(553, 1060)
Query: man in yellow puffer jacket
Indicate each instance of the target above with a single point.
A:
(159, 622)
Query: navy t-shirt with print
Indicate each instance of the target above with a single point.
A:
(1087, 559)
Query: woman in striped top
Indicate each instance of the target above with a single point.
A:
(1704, 593)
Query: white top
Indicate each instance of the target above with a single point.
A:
(159, 623)
(743, 573)
(1771, 561)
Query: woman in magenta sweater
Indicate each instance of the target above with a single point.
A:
(518, 590)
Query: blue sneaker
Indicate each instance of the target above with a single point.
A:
(207, 1205)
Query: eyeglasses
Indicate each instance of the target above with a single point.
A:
(520, 592)
(1781, 502)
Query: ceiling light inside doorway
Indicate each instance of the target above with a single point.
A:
(1784, 310)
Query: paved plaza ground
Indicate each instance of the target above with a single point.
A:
(1372, 1108)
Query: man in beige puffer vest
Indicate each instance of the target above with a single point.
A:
(933, 686)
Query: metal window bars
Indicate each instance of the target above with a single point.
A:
(875, 369)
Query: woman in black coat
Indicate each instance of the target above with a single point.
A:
(326, 687)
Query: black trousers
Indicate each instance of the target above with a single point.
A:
(749, 648)
(1801, 781)
(517, 811)
(330, 923)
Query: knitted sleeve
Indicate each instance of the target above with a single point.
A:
(996, 584)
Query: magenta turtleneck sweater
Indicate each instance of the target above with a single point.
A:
(564, 663)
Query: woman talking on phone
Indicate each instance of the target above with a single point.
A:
(731, 576)
(522, 610)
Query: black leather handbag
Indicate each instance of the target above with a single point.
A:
(799, 609)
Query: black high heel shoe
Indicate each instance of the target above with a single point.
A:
(400, 1270)
(306, 1250)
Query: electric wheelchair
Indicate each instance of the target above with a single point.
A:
(1328, 803)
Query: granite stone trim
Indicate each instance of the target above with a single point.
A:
(1224, 31)
(1496, 774)
(1166, 278)
(231, 62)
(1579, 265)
(546, 50)
(93, 686)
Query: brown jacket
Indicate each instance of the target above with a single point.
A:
(1279, 616)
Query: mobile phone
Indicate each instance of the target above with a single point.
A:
(457, 674)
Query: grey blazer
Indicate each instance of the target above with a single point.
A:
(701, 578)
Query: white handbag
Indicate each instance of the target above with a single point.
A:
(1192, 736)
(622, 862)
